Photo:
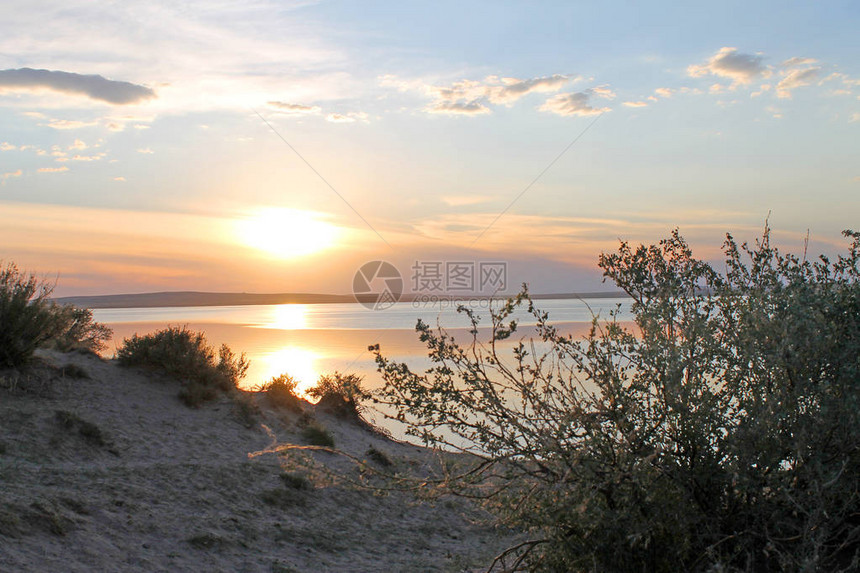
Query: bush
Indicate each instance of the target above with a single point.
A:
(185, 355)
(281, 392)
(340, 394)
(30, 319)
(317, 435)
(721, 434)
(80, 333)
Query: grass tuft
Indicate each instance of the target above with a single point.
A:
(317, 435)
(378, 457)
(87, 430)
(296, 481)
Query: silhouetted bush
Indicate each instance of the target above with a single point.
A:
(29, 319)
(340, 394)
(280, 391)
(719, 434)
(185, 355)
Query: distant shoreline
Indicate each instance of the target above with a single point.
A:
(192, 298)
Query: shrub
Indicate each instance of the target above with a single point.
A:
(73, 371)
(317, 435)
(30, 319)
(719, 435)
(71, 422)
(281, 392)
(247, 410)
(295, 481)
(80, 332)
(185, 355)
(378, 457)
(340, 394)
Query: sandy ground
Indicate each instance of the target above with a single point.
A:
(114, 473)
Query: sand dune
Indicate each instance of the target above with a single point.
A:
(113, 473)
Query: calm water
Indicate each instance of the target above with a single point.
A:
(306, 340)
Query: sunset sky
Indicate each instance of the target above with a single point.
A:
(155, 145)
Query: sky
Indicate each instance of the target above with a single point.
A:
(277, 146)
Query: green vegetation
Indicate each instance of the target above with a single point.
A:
(185, 355)
(719, 434)
(341, 394)
(30, 319)
(317, 435)
(378, 457)
(71, 422)
(294, 480)
(246, 409)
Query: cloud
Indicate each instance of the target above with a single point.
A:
(145, 150)
(88, 157)
(92, 86)
(604, 92)
(731, 64)
(52, 169)
(119, 178)
(573, 104)
(775, 112)
(295, 108)
(68, 124)
(349, 117)
(474, 97)
(635, 103)
(854, 117)
(664, 92)
(6, 146)
(78, 144)
(10, 174)
(514, 89)
(464, 200)
(458, 108)
(794, 79)
(795, 62)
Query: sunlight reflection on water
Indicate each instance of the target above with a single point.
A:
(308, 340)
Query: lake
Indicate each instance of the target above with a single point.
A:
(307, 340)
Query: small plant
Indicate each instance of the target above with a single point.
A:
(87, 430)
(283, 498)
(295, 481)
(378, 457)
(340, 394)
(247, 410)
(73, 371)
(185, 354)
(206, 541)
(317, 435)
(281, 392)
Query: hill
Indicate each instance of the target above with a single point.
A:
(103, 469)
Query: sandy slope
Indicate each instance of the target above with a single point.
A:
(126, 478)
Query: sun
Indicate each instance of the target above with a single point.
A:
(287, 233)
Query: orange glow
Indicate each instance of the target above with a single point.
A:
(287, 233)
(288, 317)
(300, 363)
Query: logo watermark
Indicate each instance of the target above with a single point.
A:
(378, 285)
